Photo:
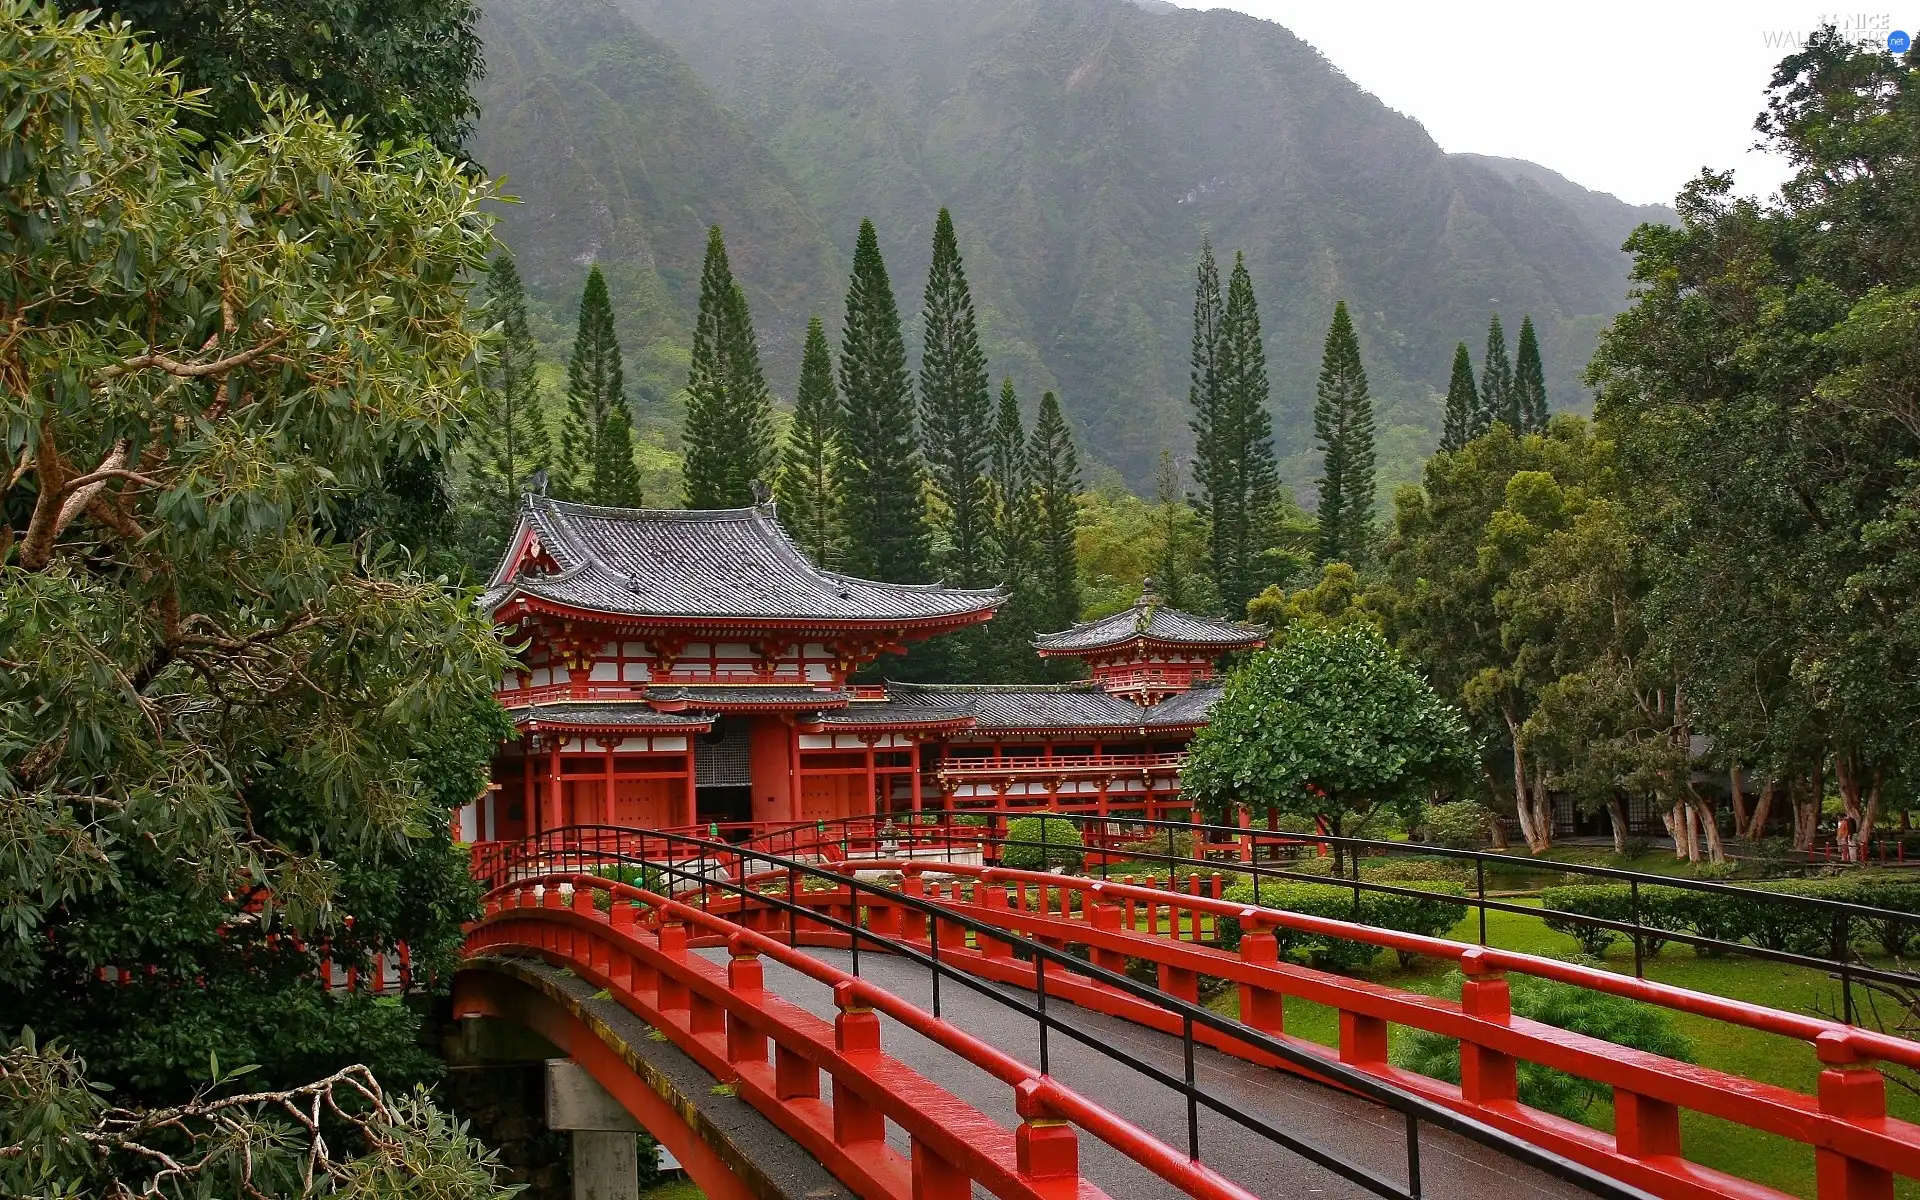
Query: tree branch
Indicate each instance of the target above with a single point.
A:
(180, 370)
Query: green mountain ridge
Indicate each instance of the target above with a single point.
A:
(1085, 147)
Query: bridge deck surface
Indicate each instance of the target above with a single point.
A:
(1451, 1167)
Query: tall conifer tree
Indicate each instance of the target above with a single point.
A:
(1244, 434)
(1055, 471)
(956, 411)
(510, 438)
(809, 486)
(596, 437)
(1216, 469)
(1529, 381)
(1174, 549)
(886, 518)
(1343, 426)
(1496, 382)
(729, 432)
(1463, 402)
(1014, 539)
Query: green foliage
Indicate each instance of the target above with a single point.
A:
(1233, 465)
(1759, 392)
(1463, 403)
(1529, 381)
(401, 69)
(1339, 598)
(1613, 1019)
(509, 441)
(1748, 915)
(1461, 825)
(1417, 870)
(810, 472)
(1497, 400)
(729, 437)
(596, 436)
(1014, 547)
(1343, 429)
(224, 727)
(1167, 842)
(1179, 543)
(1054, 470)
(1431, 914)
(887, 535)
(1041, 843)
(956, 414)
(1330, 723)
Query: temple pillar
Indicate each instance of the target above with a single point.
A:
(914, 761)
(608, 816)
(693, 795)
(554, 816)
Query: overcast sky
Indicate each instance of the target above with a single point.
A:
(1631, 97)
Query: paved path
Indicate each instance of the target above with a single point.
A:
(1452, 1168)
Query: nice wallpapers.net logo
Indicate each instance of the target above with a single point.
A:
(1864, 29)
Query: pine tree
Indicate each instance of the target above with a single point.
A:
(1343, 426)
(1496, 383)
(510, 439)
(886, 518)
(1529, 381)
(1463, 402)
(1173, 550)
(596, 437)
(956, 411)
(729, 434)
(1244, 431)
(1055, 471)
(1215, 467)
(809, 485)
(1014, 538)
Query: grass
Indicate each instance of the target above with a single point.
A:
(679, 1189)
(1784, 1062)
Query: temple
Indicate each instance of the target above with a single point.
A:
(689, 668)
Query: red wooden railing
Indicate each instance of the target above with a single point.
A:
(967, 769)
(725, 1019)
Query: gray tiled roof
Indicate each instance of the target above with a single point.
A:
(893, 712)
(625, 716)
(729, 563)
(1185, 709)
(1148, 619)
(1027, 706)
(769, 696)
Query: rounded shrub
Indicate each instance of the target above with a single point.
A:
(1042, 842)
(1462, 825)
(1431, 914)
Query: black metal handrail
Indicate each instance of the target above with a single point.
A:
(1844, 913)
(1414, 1108)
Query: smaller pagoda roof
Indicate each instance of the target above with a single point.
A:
(687, 566)
(607, 715)
(1185, 710)
(1150, 621)
(893, 714)
(747, 697)
(1073, 706)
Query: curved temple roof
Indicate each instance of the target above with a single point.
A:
(1148, 620)
(727, 564)
(1039, 706)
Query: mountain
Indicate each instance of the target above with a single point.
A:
(1085, 148)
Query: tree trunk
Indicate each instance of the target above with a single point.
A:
(1739, 798)
(1756, 828)
(1671, 819)
(1806, 811)
(1617, 817)
(1495, 802)
(1861, 797)
(1703, 808)
(1522, 801)
(1542, 813)
(1689, 823)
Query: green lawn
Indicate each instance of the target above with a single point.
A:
(1709, 1141)
(679, 1189)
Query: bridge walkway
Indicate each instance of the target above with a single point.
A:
(1451, 1167)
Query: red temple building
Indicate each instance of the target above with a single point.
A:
(680, 668)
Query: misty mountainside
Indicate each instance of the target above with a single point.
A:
(1085, 147)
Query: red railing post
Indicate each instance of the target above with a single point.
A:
(1106, 916)
(1485, 1075)
(994, 897)
(856, 1033)
(794, 1078)
(1363, 1039)
(672, 992)
(1852, 1090)
(1262, 1008)
(934, 1178)
(1644, 1127)
(1045, 1146)
(747, 979)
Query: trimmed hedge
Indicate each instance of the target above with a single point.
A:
(1431, 914)
(1754, 917)
(1462, 825)
(1058, 844)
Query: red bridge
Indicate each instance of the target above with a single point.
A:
(984, 1027)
